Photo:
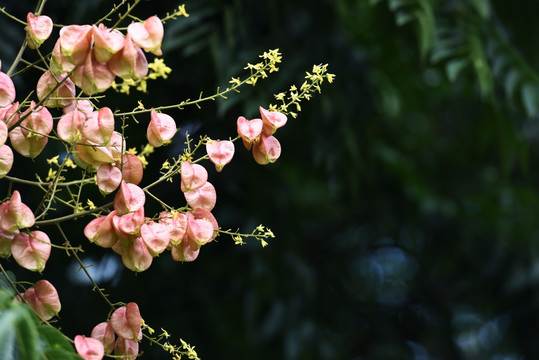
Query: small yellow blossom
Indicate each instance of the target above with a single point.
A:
(91, 204)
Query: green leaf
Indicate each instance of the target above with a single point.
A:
(53, 338)
(63, 354)
(482, 7)
(530, 98)
(404, 17)
(4, 282)
(454, 67)
(18, 333)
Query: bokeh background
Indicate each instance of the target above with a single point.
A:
(404, 203)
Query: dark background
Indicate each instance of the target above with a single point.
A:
(404, 203)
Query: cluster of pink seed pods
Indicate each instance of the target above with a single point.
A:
(257, 135)
(120, 335)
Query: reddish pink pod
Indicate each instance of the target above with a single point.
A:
(128, 225)
(38, 29)
(135, 254)
(92, 77)
(100, 230)
(199, 231)
(220, 152)
(107, 42)
(267, 150)
(108, 178)
(272, 120)
(249, 130)
(89, 348)
(32, 250)
(127, 349)
(15, 215)
(156, 237)
(104, 333)
(7, 90)
(43, 299)
(60, 97)
(203, 197)
(184, 252)
(69, 127)
(10, 115)
(6, 160)
(99, 127)
(161, 129)
(127, 322)
(148, 35)
(75, 43)
(193, 176)
(176, 225)
(131, 168)
(130, 62)
(129, 198)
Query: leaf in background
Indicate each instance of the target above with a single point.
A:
(5, 283)
(454, 67)
(530, 98)
(19, 337)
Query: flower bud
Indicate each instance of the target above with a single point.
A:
(89, 348)
(220, 152)
(129, 62)
(38, 29)
(161, 129)
(272, 120)
(148, 35)
(62, 96)
(107, 42)
(193, 176)
(267, 150)
(249, 130)
(203, 197)
(75, 42)
(104, 333)
(129, 198)
(31, 251)
(6, 160)
(7, 90)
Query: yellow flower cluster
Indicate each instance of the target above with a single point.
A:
(157, 69)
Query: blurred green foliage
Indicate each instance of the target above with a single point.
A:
(405, 200)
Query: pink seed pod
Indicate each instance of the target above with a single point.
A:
(184, 252)
(272, 120)
(201, 213)
(176, 225)
(83, 106)
(75, 43)
(59, 64)
(135, 254)
(130, 62)
(93, 77)
(156, 237)
(161, 129)
(107, 42)
(89, 348)
(31, 251)
(129, 198)
(92, 155)
(7, 90)
(249, 130)
(131, 168)
(128, 225)
(193, 176)
(99, 127)
(108, 178)
(9, 114)
(31, 142)
(43, 299)
(127, 322)
(3, 133)
(199, 231)
(220, 152)
(203, 197)
(104, 333)
(38, 29)
(6, 160)
(15, 215)
(127, 349)
(148, 35)
(267, 150)
(60, 97)
(69, 127)
(100, 231)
